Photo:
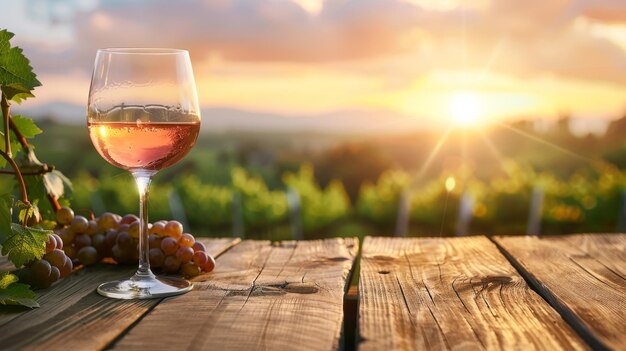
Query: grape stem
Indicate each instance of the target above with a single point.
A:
(4, 104)
(44, 169)
(18, 174)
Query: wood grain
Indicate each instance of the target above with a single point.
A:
(451, 294)
(73, 316)
(262, 296)
(583, 276)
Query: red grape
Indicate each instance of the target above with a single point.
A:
(65, 215)
(82, 240)
(157, 257)
(55, 274)
(189, 270)
(124, 241)
(209, 265)
(79, 224)
(171, 264)
(198, 246)
(186, 240)
(108, 221)
(157, 228)
(98, 241)
(200, 258)
(184, 254)
(70, 251)
(59, 241)
(56, 258)
(87, 255)
(67, 267)
(51, 244)
(154, 241)
(110, 237)
(133, 230)
(174, 229)
(92, 228)
(169, 245)
(41, 272)
(129, 218)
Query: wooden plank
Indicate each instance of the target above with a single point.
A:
(262, 296)
(451, 293)
(583, 276)
(73, 316)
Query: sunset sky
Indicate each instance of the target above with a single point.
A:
(425, 59)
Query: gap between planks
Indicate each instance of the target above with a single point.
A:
(583, 276)
(451, 293)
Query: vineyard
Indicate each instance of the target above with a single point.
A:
(590, 200)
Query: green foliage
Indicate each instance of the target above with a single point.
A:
(26, 244)
(207, 206)
(379, 202)
(6, 204)
(14, 293)
(27, 126)
(17, 78)
(261, 206)
(320, 207)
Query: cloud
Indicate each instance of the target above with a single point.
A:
(396, 39)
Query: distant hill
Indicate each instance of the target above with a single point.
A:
(221, 119)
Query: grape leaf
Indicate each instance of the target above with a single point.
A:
(7, 279)
(16, 75)
(27, 211)
(6, 204)
(15, 148)
(26, 126)
(13, 293)
(25, 244)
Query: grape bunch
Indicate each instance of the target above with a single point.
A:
(54, 265)
(117, 237)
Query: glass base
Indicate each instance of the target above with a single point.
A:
(145, 287)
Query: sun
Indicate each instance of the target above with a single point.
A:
(465, 109)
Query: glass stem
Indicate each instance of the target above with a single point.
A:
(143, 178)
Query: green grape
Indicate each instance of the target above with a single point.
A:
(157, 257)
(87, 255)
(92, 228)
(134, 230)
(171, 264)
(154, 241)
(55, 274)
(189, 270)
(173, 229)
(56, 258)
(79, 224)
(124, 241)
(157, 228)
(184, 254)
(82, 240)
(41, 272)
(98, 241)
(200, 258)
(198, 246)
(51, 244)
(108, 221)
(169, 246)
(70, 251)
(58, 240)
(209, 265)
(65, 215)
(110, 237)
(67, 267)
(186, 240)
(129, 219)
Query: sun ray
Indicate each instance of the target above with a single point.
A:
(544, 142)
(431, 157)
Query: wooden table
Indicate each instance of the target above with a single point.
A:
(551, 293)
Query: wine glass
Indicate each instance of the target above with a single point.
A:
(143, 116)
